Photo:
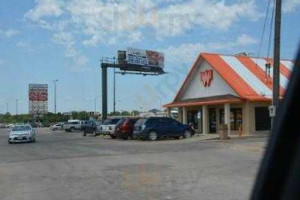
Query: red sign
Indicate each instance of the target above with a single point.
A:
(206, 77)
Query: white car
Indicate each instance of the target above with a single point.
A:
(58, 126)
(108, 127)
(21, 133)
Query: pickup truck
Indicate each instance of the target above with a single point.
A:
(72, 126)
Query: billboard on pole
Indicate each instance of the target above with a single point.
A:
(139, 60)
(38, 98)
(145, 57)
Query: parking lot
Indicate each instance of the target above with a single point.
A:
(68, 166)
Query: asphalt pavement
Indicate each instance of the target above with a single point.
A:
(67, 166)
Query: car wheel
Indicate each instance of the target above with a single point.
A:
(33, 140)
(84, 134)
(71, 129)
(54, 129)
(95, 133)
(113, 137)
(177, 138)
(152, 136)
(9, 142)
(187, 134)
(125, 137)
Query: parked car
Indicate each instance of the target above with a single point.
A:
(124, 128)
(3, 125)
(10, 125)
(84, 123)
(21, 133)
(91, 127)
(108, 127)
(161, 127)
(35, 124)
(58, 126)
(72, 126)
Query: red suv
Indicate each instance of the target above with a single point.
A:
(124, 128)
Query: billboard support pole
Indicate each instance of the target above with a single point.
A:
(114, 107)
(104, 91)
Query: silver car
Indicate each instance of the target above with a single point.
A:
(21, 133)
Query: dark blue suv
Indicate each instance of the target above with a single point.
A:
(161, 127)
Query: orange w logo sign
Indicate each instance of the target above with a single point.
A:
(206, 77)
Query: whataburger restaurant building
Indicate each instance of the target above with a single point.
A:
(229, 89)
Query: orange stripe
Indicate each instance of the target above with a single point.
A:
(230, 76)
(283, 69)
(258, 72)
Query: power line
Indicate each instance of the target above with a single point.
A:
(271, 29)
(264, 28)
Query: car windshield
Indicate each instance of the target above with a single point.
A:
(107, 121)
(140, 122)
(120, 122)
(114, 121)
(21, 128)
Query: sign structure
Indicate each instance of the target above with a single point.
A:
(141, 60)
(145, 57)
(206, 77)
(38, 99)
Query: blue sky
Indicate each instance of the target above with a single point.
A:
(43, 40)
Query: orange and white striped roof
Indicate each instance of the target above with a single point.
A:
(246, 75)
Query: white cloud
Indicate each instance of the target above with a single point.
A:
(245, 40)
(95, 22)
(290, 5)
(128, 20)
(186, 53)
(45, 8)
(24, 45)
(11, 32)
(79, 60)
(8, 33)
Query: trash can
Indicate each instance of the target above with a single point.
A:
(223, 132)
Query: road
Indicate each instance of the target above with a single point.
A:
(65, 166)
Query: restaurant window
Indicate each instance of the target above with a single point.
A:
(236, 117)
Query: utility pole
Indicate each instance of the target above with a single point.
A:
(276, 71)
(159, 102)
(17, 106)
(55, 81)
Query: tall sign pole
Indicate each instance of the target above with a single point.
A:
(114, 106)
(276, 71)
(104, 91)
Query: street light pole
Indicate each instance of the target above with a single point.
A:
(96, 102)
(55, 81)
